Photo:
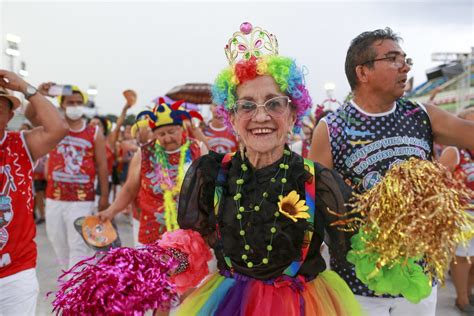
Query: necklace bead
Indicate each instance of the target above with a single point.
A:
(255, 206)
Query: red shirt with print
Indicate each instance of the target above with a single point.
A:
(221, 140)
(71, 167)
(465, 169)
(149, 200)
(17, 227)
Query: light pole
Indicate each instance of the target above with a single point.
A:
(92, 92)
(12, 49)
(330, 87)
(331, 103)
(23, 72)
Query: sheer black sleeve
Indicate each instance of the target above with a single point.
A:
(196, 200)
(332, 194)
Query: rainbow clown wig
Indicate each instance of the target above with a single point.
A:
(288, 77)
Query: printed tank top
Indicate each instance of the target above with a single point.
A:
(365, 146)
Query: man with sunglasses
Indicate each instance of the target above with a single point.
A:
(376, 130)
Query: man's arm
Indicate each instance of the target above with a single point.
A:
(449, 158)
(448, 129)
(320, 150)
(102, 173)
(30, 111)
(129, 190)
(43, 139)
(114, 134)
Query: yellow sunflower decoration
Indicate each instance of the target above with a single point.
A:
(292, 207)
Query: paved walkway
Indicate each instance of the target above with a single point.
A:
(48, 271)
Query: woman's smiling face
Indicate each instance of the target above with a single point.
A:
(262, 132)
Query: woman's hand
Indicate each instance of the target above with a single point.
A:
(107, 214)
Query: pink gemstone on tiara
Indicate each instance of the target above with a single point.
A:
(242, 47)
(246, 28)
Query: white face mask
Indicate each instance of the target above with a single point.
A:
(74, 112)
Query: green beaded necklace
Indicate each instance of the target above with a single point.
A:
(283, 167)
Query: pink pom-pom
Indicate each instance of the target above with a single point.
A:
(123, 281)
(191, 243)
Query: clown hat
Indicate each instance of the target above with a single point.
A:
(164, 114)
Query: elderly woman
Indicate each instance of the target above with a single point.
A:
(264, 210)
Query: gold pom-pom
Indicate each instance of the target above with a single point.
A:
(417, 210)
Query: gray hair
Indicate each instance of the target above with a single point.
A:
(361, 50)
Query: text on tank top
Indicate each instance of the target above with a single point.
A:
(365, 146)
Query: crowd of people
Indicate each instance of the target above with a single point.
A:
(264, 182)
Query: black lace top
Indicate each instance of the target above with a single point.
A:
(196, 211)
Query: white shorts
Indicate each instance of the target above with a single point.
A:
(466, 250)
(18, 293)
(68, 245)
(399, 306)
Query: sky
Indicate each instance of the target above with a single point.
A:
(153, 46)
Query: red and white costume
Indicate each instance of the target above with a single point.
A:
(18, 283)
(149, 200)
(221, 140)
(465, 171)
(70, 193)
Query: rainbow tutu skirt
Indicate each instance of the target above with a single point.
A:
(240, 295)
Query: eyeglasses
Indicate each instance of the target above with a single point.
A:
(397, 60)
(275, 107)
